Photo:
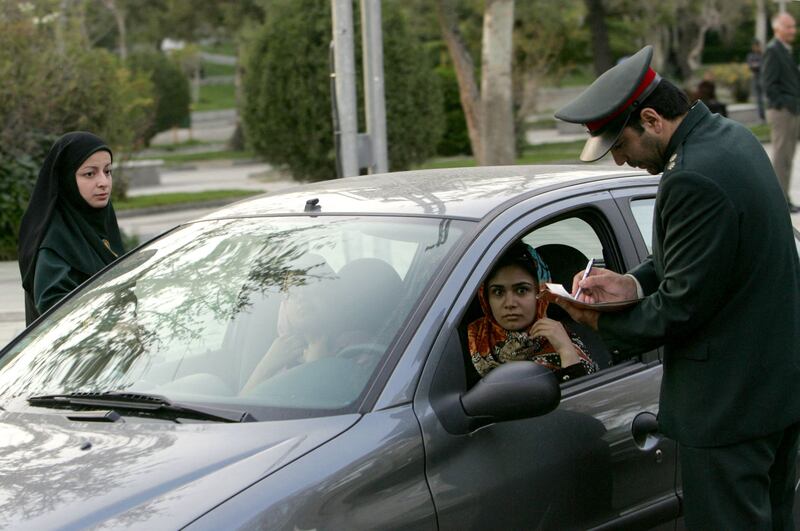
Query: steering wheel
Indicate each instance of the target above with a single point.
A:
(359, 349)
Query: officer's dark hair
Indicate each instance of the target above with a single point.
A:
(666, 99)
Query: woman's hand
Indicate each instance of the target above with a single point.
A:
(557, 335)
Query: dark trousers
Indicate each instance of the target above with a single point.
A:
(748, 485)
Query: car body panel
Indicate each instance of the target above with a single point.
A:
(135, 473)
(370, 477)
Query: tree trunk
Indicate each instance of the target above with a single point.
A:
(497, 111)
(122, 34)
(465, 73)
(601, 49)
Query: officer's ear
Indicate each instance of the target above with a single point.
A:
(651, 120)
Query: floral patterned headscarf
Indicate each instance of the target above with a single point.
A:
(490, 344)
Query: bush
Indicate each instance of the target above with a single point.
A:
(18, 174)
(735, 76)
(414, 108)
(287, 107)
(44, 90)
(171, 89)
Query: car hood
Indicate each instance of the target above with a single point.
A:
(58, 473)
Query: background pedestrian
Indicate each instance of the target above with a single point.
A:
(781, 79)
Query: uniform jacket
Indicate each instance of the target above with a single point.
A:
(722, 289)
(780, 78)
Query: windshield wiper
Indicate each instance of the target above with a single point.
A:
(150, 403)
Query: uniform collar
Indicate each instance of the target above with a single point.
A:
(695, 115)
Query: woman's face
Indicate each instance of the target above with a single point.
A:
(512, 297)
(94, 179)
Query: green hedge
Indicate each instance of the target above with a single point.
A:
(171, 89)
(18, 174)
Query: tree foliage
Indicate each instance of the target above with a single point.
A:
(171, 90)
(414, 104)
(287, 112)
(287, 109)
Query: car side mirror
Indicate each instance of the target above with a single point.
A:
(512, 391)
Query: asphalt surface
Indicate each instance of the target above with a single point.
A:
(209, 176)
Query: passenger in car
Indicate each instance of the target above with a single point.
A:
(514, 326)
(325, 314)
(305, 319)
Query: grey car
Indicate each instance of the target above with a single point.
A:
(298, 361)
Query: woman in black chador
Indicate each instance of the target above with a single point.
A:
(69, 231)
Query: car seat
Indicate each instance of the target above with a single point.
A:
(369, 292)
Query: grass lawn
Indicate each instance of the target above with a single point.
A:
(214, 69)
(216, 97)
(175, 159)
(146, 201)
(761, 131)
(181, 145)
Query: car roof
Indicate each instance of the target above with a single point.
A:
(453, 192)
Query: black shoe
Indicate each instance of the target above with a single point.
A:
(794, 209)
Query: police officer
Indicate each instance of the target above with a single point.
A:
(720, 293)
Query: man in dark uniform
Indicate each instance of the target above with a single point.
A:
(721, 294)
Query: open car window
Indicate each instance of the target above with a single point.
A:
(564, 245)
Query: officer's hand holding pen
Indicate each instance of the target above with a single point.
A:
(603, 285)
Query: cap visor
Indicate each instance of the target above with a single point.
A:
(598, 145)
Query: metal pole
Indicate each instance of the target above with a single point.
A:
(761, 23)
(344, 64)
(375, 103)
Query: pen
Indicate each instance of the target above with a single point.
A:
(585, 274)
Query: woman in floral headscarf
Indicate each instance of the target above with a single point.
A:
(514, 326)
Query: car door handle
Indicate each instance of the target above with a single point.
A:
(644, 430)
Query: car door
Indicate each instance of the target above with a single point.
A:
(577, 467)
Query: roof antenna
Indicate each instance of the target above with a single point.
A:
(312, 205)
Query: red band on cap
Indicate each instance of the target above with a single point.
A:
(649, 76)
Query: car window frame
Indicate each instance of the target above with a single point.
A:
(602, 205)
(623, 198)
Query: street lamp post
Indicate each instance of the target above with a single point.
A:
(353, 150)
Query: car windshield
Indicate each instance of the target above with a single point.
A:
(282, 317)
